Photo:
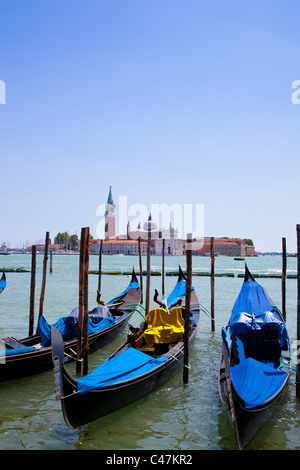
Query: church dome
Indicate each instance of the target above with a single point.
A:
(150, 225)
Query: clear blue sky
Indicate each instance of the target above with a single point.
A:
(167, 101)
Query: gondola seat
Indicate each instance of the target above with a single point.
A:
(164, 326)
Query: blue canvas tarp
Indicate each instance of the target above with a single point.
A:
(99, 319)
(256, 382)
(2, 282)
(64, 326)
(254, 322)
(252, 298)
(11, 352)
(177, 293)
(127, 365)
(244, 323)
(132, 285)
(96, 315)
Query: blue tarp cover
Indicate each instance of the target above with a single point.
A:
(256, 382)
(99, 319)
(11, 352)
(127, 365)
(64, 327)
(244, 322)
(252, 298)
(96, 315)
(2, 284)
(132, 285)
(177, 293)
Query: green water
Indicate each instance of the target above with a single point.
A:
(176, 416)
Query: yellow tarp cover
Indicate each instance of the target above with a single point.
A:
(164, 326)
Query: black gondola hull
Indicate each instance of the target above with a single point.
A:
(24, 364)
(250, 422)
(80, 409)
(36, 362)
(245, 423)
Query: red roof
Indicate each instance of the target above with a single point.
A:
(224, 241)
(122, 240)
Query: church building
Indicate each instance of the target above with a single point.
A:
(128, 243)
(110, 217)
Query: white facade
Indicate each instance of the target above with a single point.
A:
(173, 246)
(151, 230)
(118, 247)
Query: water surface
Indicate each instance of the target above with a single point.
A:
(174, 417)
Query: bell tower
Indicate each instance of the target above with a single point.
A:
(110, 217)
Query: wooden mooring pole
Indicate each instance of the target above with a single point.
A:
(42, 296)
(32, 290)
(187, 307)
(298, 314)
(100, 273)
(163, 268)
(148, 277)
(80, 305)
(283, 279)
(86, 303)
(82, 335)
(212, 282)
(51, 261)
(141, 270)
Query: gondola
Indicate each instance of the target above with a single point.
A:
(254, 365)
(33, 354)
(3, 281)
(149, 357)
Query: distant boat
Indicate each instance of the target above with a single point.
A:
(239, 259)
(3, 281)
